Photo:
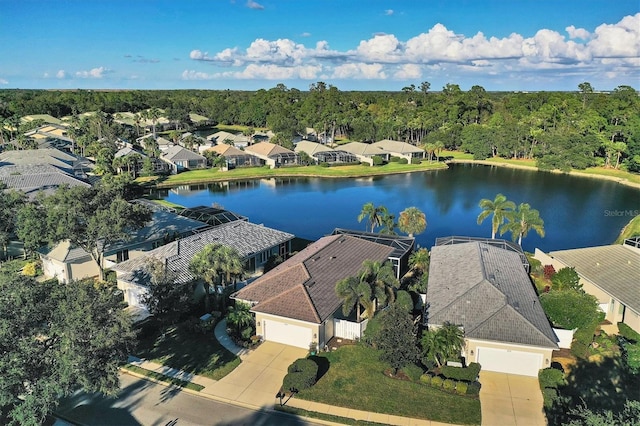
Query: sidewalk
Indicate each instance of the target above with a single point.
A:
(255, 382)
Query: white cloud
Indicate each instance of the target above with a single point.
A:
(195, 75)
(359, 71)
(408, 72)
(388, 12)
(3, 81)
(305, 34)
(254, 5)
(93, 73)
(61, 74)
(441, 51)
(577, 32)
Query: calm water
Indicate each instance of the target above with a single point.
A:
(578, 212)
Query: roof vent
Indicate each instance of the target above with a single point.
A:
(311, 284)
(332, 257)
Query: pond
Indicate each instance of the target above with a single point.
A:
(577, 211)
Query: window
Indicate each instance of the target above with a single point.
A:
(122, 255)
(264, 256)
(282, 250)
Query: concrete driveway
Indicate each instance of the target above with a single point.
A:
(257, 380)
(509, 399)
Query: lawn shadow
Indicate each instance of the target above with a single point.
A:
(323, 365)
(602, 385)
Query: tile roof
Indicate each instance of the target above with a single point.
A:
(178, 153)
(267, 149)
(227, 150)
(360, 148)
(311, 147)
(66, 252)
(396, 146)
(32, 179)
(487, 291)
(614, 268)
(247, 238)
(303, 287)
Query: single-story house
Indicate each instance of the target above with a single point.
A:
(255, 244)
(227, 138)
(158, 166)
(272, 155)
(365, 152)
(51, 136)
(234, 156)
(181, 159)
(486, 291)
(323, 154)
(46, 118)
(296, 303)
(32, 180)
(67, 262)
(400, 149)
(611, 273)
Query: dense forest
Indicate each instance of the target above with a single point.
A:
(560, 130)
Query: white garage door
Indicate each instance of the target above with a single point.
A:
(508, 361)
(287, 334)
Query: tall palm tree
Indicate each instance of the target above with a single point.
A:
(205, 265)
(521, 221)
(231, 265)
(382, 280)
(438, 147)
(499, 208)
(419, 260)
(412, 221)
(389, 225)
(354, 294)
(430, 148)
(153, 114)
(373, 214)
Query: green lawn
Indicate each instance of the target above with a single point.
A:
(162, 378)
(620, 174)
(191, 352)
(355, 379)
(211, 175)
(632, 229)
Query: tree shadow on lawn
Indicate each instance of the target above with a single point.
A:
(604, 385)
(192, 352)
(323, 365)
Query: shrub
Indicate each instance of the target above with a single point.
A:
(413, 371)
(566, 278)
(550, 378)
(426, 379)
(549, 271)
(468, 374)
(403, 161)
(462, 388)
(377, 160)
(436, 381)
(536, 265)
(473, 388)
(364, 163)
(403, 298)
(416, 161)
(29, 269)
(570, 309)
(449, 384)
(394, 159)
(628, 333)
(324, 164)
(301, 375)
(549, 395)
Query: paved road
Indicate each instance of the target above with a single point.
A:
(145, 403)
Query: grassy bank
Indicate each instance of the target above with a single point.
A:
(632, 229)
(211, 175)
(162, 378)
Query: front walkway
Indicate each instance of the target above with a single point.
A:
(509, 399)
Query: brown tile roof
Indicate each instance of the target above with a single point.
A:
(303, 287)
(267, 149)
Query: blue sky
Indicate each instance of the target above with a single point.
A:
(354, 45)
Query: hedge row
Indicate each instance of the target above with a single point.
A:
(302, 374)
(461, 387)
(468, 374)
(550, 378)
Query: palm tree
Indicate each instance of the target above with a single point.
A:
(430, 148)
(354, 293)
(389, 225)
(205, 265)
(499, 208)
(412, 221)
(438, 147)
(373, 214)
(419, 260)
(239, 316)
(442, 344)
(231, 265)
(523, 220)
(382, 280)
(153, 114)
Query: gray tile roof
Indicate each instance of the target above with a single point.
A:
(614, 268)
(32, 179)
(303, 287)
(397, 147)
(178, 153)
(486, 290)
(247, 238)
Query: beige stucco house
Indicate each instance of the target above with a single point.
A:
(485, 290)
(611, 273)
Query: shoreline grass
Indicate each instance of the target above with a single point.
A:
(631, 229)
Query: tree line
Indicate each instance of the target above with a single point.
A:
(557, 129)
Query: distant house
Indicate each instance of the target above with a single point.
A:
(67, 262)
(611, 273)
(181, 159)
(157, 165)
(486, 291)
(365, 152)
(235, 157)
(255, 244)
(273, 155)
(296, 303)
(323, 154)
(226, 138)
(46, 118)
(400, 149)
(51, 136)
